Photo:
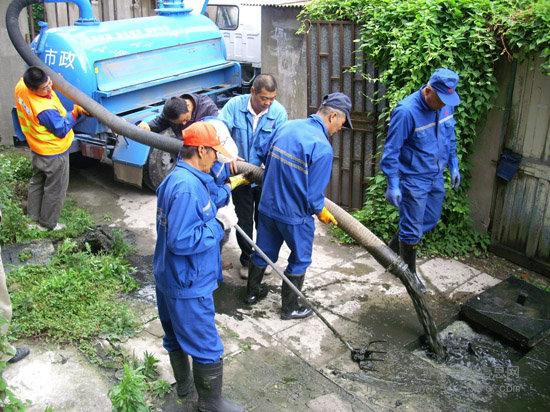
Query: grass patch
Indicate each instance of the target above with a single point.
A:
(15, 172)
(74, 298)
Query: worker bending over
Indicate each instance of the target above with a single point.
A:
(187, 268)
(298, 162)
(421, 144)
(179, 113)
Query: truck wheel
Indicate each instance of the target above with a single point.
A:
(158, 165)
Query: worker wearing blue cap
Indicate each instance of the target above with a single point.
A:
(421, 143)
(298, 162)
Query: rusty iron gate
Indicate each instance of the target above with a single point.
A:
(331, 52)
(520, 223)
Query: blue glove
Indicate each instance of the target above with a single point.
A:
(393, 192)
(455, 178)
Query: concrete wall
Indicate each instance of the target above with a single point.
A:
(284, 56)
(11, 70)
(488, 147)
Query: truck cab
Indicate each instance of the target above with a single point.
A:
(240, 26)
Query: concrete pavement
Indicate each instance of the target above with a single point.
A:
(273, 365)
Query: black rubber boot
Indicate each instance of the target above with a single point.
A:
(208, 381)
(255, 291)
(179, 360)
(408, 254)
(394, 243)
(290, 308)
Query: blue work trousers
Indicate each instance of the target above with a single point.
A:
(299, 239)
(420, 207)
(189, 325)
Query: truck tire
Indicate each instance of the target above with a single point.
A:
(159, 164)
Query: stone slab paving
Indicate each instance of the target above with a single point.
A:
(61, 378)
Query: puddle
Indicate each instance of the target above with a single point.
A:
(480, 373)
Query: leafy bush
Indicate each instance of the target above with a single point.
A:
(408, 40)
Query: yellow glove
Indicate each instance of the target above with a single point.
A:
(144, 126)
(326, 217)
(237, 180)
(79, 110)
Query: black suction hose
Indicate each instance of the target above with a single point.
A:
(115, 123)
(383, 254)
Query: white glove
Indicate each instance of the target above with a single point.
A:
(227, 217)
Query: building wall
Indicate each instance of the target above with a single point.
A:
(284, 56)
(12, 69)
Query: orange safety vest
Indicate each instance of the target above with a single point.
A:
(40, 139)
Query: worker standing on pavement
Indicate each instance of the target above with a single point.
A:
(187, 267)
(48, 128)
(179, 113)
(298, 162)
(251, 119)
(421, 144)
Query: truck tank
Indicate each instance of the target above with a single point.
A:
(131, 67)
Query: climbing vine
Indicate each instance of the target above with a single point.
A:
(409, 39)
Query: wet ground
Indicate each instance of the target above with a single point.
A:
(275, 365)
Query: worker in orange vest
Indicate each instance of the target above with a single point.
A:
(48, 128)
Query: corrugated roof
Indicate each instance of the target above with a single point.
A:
(275, 3)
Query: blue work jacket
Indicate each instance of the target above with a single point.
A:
(298, 164)
(187, 261)
(238, 119)
(420, 140)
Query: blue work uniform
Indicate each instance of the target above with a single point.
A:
(297, 171)
(187, 263)
(421, 143)
(239, 120)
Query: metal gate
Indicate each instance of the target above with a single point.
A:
(520, 225)
(331, 51)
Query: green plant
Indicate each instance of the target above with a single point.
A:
(129, 394)
(159, 388)
(139, 385)
(121, 248)
(25, 255)
(73, 298)
(409, 39)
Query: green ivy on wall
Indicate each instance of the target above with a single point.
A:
(408, 40)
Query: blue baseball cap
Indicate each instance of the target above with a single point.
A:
(340, 102)
(444, 82)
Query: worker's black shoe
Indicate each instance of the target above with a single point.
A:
(20, 353)
(179, 360)
(208, 381)
(255, 291)
(408, 254)
(289, 300)
(394, 243)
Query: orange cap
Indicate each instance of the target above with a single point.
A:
(203, 134)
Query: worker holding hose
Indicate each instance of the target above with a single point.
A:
(298, 162)
(421, 144)
(187, 267)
